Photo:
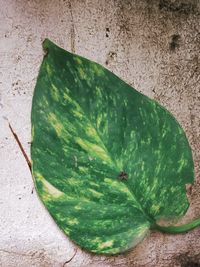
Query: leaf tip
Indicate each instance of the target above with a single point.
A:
(45, 43)
(45, 46)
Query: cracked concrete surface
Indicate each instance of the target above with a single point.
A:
(154, 46)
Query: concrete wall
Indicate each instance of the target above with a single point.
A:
(153, 45)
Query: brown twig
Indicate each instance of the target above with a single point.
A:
(70, 258)
(21, 148)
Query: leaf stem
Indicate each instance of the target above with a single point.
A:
(177, 229)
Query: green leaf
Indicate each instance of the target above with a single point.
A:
(108, 162)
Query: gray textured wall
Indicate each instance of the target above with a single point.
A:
(154, 46)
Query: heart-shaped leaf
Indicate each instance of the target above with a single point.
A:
(108, 162)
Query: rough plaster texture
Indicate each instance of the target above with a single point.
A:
(154, 46)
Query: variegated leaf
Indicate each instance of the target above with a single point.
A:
(107, 160)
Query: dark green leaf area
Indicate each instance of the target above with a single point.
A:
(88, 127)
